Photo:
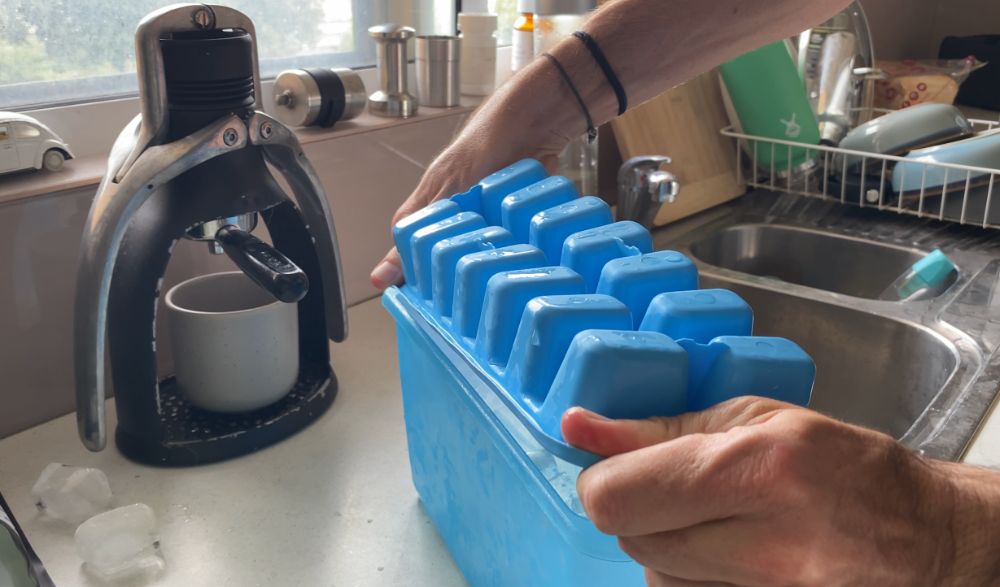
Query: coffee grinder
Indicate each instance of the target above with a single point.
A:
(194, 164)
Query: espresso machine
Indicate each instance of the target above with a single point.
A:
(195, 164)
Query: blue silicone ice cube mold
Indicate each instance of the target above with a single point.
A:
(523, 300)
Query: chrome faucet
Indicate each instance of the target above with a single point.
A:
(643, 188)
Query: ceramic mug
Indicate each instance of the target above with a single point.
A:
(235, 347)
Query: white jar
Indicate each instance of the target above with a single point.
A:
(479, 53)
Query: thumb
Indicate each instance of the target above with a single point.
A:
(388, 272)
(606, 437)
(602, 436)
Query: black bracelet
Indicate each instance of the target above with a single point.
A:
(591, 131)
(609, 73)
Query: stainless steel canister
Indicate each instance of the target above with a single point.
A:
(438, 70)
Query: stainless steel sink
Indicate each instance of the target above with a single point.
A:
(841, 264)
(925, 372)
(855, 352)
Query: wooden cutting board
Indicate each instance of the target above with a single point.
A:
(683, 123)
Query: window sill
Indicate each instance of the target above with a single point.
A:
(97, 123)
(87, 171)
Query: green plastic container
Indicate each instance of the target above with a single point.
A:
(770, 101)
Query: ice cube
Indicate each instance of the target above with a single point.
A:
(120, 543)
(72, 494)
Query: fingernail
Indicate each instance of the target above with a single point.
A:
(386, 273)
(593, 416)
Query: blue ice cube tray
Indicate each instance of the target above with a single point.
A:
(559, 306)
(521, 300)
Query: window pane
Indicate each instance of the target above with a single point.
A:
(506, 11)
(3, 133)
(63, 50)
(25, 131)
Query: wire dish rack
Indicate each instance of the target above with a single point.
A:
(944, 191)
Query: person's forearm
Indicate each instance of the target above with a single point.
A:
(975, 524)
(652, 45)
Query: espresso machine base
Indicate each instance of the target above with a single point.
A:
(193, 436)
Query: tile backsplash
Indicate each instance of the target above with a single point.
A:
(366, 176)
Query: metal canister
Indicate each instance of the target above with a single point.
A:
(392, 99)
(438, 61)
(318, 96)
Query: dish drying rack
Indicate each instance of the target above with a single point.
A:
(863, 179)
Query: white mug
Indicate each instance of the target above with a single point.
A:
(235, 347)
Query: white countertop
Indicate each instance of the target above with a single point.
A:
(333, 505)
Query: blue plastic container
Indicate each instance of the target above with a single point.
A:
(517, 209)
(700, 315)
(637, 280)
(550, 228)
(501, 329)
(588, 251)
(496, 497)
(447, 253)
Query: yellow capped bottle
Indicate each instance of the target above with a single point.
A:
(523, 35)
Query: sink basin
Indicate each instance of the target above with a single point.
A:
(841, 264)
(923, 371)
(870, 370)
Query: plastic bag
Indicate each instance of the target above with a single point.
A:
(911, 82)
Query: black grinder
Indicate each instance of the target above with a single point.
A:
(194, 164)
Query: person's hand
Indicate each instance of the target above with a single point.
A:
(493, 139)
(459, 167)
(759, 492)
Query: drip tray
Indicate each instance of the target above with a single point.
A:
(192, 436)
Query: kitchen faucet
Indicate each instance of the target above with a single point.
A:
(643, 188)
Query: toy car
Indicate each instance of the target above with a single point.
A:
(26, 143)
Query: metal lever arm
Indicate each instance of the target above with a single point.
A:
(283, 151)
(115, 204)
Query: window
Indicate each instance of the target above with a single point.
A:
(54, 51)
(3, 133)
(506, 11)
(26, 131)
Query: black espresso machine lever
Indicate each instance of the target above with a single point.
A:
(263, 264)
(201, 148)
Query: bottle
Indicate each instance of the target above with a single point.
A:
(831, 56)
(927, 278)
(523, 35)
(478, 63)
(557, 19)
(554, 21)
(770, 102)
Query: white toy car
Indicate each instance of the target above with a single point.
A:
(26, 143)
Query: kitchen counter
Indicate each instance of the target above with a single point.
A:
(333, 505)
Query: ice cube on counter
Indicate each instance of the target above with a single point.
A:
(71, 494)
(123, 542)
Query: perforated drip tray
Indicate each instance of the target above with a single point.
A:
(191, 436)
